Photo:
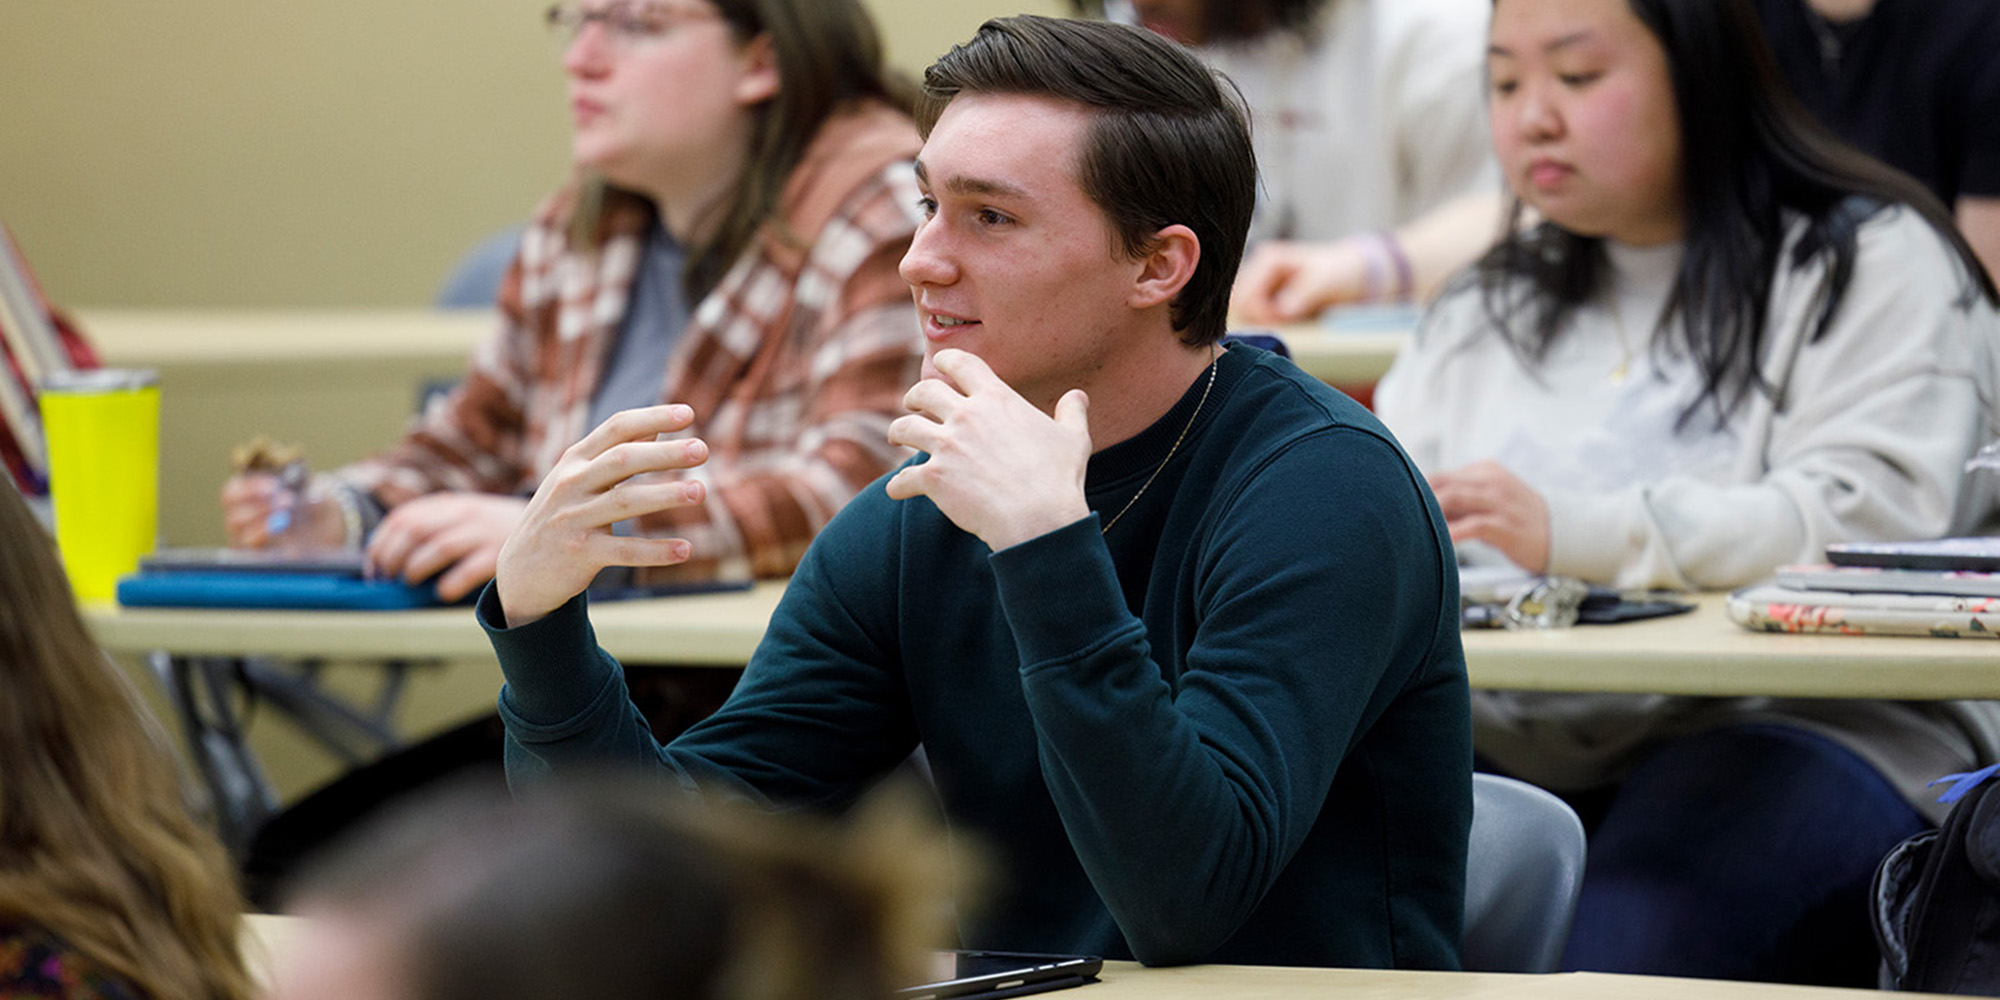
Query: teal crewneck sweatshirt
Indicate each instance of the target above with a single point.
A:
(1234, 728)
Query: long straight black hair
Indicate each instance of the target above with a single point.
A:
(1749, 152)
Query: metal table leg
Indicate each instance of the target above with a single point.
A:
(204, 691)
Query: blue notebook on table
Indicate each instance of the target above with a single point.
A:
(235, 578)
(248, 578)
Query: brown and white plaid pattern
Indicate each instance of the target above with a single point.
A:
(794, 364)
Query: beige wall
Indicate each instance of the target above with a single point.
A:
(249, 153)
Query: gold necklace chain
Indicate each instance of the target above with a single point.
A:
(1623, 369)
(1203, 401)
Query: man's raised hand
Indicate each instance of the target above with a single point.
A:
(565, 538)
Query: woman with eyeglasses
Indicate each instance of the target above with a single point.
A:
(1729, 340)
(743, 195)
(110, 889)
(730, 242)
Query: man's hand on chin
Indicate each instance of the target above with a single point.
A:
(999, 467)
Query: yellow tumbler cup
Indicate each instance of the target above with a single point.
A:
(103, 431)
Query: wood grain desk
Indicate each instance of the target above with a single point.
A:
(1701, 653)
(267, 938)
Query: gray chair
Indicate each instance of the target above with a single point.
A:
(475, 279)
(1522, 873)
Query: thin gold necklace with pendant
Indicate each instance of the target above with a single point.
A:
(1214, 361)
(1623, 369)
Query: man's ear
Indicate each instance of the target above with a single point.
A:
(1165, 271)
(759, 61)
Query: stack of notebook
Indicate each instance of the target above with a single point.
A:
(1941, 587)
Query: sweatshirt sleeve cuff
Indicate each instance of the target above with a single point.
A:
(1590, 535)
(553, 666)
(1056, 588)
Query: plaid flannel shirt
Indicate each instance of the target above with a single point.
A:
(794, 364)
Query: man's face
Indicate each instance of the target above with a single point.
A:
(1015, 263)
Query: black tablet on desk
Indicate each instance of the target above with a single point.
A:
(991, 975)
(340, 562)
(328, 580)
(1980, 554)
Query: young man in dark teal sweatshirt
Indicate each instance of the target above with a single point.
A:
(1175, 623)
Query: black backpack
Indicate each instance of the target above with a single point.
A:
(1936, 897)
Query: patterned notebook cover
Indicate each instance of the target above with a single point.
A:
(1773, 608)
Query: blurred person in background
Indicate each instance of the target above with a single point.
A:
(743, 194)
(1914, 83)
(1375, 172)
(1731, 340)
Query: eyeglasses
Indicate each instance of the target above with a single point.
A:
(626, 22)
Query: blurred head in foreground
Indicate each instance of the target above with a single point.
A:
(106, 879)
(611, 890)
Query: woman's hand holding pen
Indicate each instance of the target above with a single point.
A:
(565, 536)
(263, 510)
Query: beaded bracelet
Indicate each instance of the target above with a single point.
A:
(350, 508)
(1405, 280)
(1384, 257)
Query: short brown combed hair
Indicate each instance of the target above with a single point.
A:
(1169, 141)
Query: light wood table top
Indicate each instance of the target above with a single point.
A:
(1704, 653)
(1343, 357)
(720, 629)
(1699, 653)
(244, 338)
(266, 939)
(1242, 982)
